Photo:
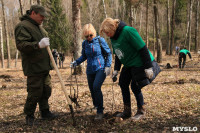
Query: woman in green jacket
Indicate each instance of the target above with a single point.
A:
(139, 67)
(182, 57)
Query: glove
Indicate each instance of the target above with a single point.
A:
(149, 72)
(191, 59)
(114, 76)
(107, 71)
(73, 64)
(44, 42)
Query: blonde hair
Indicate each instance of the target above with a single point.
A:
(87, 28)
(109, 25)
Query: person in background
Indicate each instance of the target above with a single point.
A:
(31, 42)
(94, 48)
(182, 57)
(139, 67)
(55, 56)
(61, 58)
(177, 50)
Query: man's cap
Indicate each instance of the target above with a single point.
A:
(39, 9)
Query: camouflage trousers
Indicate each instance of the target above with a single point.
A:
(39, 91)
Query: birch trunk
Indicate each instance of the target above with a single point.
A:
(124, 10)
(6, 33)
(34, 2)
(2, 53)
(131, 15)
(140, 21)
(190, 20)
(154, 43)
(147, 27)
(197, 27)
(104, 7)
(116, 5)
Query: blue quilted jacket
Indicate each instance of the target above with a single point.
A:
(94, 54)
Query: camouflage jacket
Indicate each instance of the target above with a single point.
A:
(35, 61)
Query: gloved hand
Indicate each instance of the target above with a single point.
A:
(73, 64)
(114, 76)
(149, 72)
(107, 70)
(44, 42)
(191, 59)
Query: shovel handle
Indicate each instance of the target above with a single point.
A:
(59, 75)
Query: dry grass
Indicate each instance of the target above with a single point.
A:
(168, 103)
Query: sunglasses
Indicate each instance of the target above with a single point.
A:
(88, 36)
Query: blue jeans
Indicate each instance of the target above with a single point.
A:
(95, 82)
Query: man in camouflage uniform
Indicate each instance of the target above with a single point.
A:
(31, 41)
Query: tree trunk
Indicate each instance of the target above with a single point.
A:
(2, 53)
(92, 7)
(147, 25)
(134, 16)
(172, 27)
(20, 4)
(154, 44)
(77, 31)
(116, 9)
(7, 36)
(104, 7)
(190, 19)
(124, 10)
(131, 16)
(187, 28)
(140, 29)
(38, 2)
(17, 52)
(34, 2)
(197, 27)
(168, 30)
(158, 40)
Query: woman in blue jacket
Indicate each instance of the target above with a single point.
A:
(98, 55)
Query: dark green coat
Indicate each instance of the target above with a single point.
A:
(35, 61)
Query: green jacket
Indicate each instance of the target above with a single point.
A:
(127, 47)
(35, 61)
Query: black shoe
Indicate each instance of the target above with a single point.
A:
(30, 120)
(99, 116)
(126, 113)
(140, 114)
(46, 114)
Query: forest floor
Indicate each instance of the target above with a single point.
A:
(171, 100)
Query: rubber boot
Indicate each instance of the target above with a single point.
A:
(126, 113)
(30, 120)
(139, 114)
(46, 114)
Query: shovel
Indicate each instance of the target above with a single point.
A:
(62, 84)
